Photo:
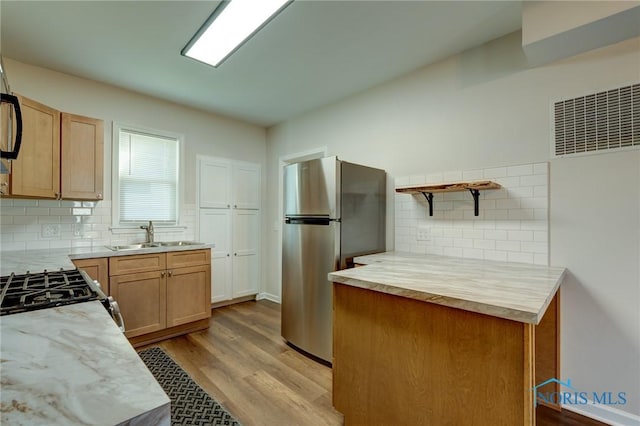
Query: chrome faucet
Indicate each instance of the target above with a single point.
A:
(149, 229)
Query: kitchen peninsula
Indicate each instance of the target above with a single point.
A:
(423, 339)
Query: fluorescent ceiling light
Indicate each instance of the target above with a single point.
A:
(230, 25)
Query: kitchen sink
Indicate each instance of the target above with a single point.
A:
(133, 246)
(152, 245)
(176, 243)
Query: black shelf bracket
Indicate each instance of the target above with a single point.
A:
(429, 197)
(476, 194)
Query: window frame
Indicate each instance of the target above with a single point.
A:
(115, 176)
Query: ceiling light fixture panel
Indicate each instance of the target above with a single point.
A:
(230, 25)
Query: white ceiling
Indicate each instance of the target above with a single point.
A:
(312, 54)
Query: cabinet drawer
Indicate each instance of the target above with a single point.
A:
(137, 263)
(180, 259)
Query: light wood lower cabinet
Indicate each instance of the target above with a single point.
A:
(188, 295)
(97, 269)
(162, 295)
(143, 299)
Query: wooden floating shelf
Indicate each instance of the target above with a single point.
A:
(429, 190)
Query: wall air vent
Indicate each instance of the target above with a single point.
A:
(601, 121)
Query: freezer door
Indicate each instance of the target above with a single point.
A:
(310, 188)
(309, 254)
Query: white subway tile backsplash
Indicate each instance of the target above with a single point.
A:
(452, 251)
(25, 203)
(484, 244)
(472, 253)
(520, 235)
(522, 170)
(541, 169)
(520, 257)
(79, 211)
(495, 234)
(452, 176)
(521, 214)
(86, 224)
(496, 172)
(472, 175)
(496, 255)
(12, 211)
(508, 217)
(37, 211)
(533, 180)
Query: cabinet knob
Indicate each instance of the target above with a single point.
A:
(162, 274)
(235, 206)
(170, 273)
(228, 254)
(235, 254)
(99, 197)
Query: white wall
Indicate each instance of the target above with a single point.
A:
(595, 233)
(205, 133)
(480, 109)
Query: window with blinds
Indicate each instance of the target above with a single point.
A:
(147, 177)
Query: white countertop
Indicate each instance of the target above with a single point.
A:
(514, 291)
(71, 365)
(19, 262)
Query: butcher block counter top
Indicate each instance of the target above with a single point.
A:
(71, 365)
(447, 339)
(514, 291)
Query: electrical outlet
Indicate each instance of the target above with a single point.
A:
(50, 230)
(423, 234)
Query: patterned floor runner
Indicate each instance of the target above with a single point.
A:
(190, 404)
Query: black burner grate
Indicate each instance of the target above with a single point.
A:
(20, 293)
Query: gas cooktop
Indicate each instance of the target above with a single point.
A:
(31, 291)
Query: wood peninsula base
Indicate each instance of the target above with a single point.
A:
(401, 361)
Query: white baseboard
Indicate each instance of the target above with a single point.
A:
(605, 414)
(268, 296)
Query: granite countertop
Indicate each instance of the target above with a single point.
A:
(72, 365)
(514, 291)
(19, 262)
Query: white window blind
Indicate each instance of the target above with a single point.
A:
(148, 177)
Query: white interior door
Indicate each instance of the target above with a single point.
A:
(215, 227)
(246, 262)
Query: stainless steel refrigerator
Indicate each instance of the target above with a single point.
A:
(333, 211)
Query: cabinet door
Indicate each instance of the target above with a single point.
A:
(142, 300)
(246, 243)
(246, 186)
(82, 157)
(215, 227)
(188, 294)
(97, 269)
(214, 183)
(36, 171)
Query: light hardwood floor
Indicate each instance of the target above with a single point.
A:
(243, 362)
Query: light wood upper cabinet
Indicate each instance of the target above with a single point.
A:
(36, 171)
(82, 157)
(61, 156)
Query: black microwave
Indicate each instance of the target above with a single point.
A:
(12, 116)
